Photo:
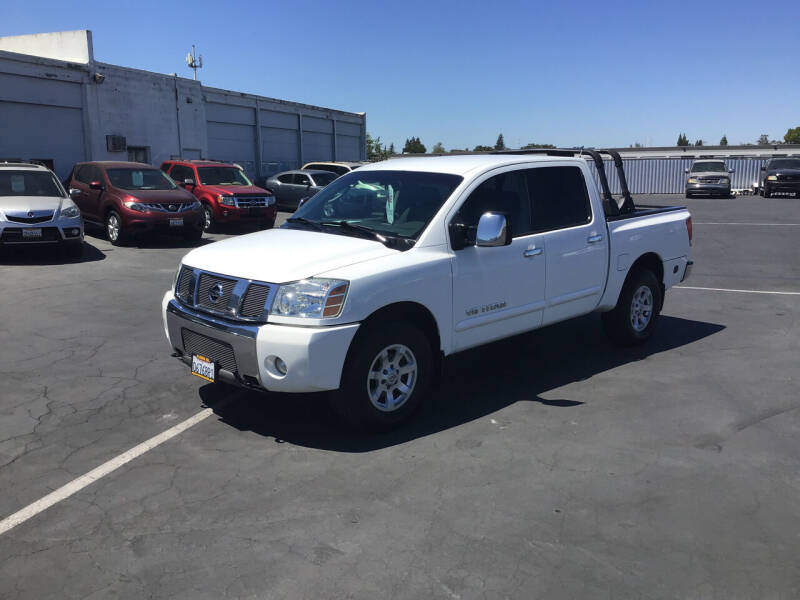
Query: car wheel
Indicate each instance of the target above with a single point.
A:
(634, 318)
(387, 375)
(208, 218)
(767, 193)
(114, 229)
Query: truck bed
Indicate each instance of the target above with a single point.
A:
(642, 211)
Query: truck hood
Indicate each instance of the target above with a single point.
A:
(178, 195)
(282, 255)
(710, 174)
(20, 205)
(234, 189)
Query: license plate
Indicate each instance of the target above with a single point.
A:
(202, 367)
(31, 233)
(176, 222)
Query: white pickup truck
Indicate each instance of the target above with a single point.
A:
(396, 265)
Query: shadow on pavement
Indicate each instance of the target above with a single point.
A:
(476, 383)
(46, 254)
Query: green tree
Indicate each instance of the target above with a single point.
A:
(534, 146)
(391, 149)
(500, 144)
(792, 136)
(414, 146)
(480, 148)
(698, 143)
(763, 140)
(438, 148)
(683, 140)
(724, 140)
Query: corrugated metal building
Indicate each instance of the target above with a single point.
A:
(59, 105)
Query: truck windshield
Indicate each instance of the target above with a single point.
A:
(222, 176)
(709, 167)
(139, 179)
(786, 163)
(28, 183)
(398, 204)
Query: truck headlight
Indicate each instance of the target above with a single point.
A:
(692, 179)
(724, 180)
(226, 200)
(69, 210)
(772, 178)
(314, 298)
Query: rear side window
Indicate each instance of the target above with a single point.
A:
(506, 193)
(285, 178)
(559, 198)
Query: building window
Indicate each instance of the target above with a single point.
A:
(140, 154)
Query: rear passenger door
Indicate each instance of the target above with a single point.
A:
(576, 240)
(499, 291)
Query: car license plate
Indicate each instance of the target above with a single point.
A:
(176, 222)
(31, 233)
(203, 367)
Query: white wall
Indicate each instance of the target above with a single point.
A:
(70, 46)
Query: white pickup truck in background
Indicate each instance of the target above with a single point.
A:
(396, 265)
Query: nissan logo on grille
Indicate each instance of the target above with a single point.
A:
(215, 293)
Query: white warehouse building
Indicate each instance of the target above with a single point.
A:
(60, 106)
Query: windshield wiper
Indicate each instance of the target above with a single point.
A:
(304, 221)
(387, 240)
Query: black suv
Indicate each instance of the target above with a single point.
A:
(780, 176)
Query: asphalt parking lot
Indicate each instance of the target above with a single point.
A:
(552, 465)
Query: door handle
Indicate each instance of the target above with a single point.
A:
(531, 252)
(593, 239)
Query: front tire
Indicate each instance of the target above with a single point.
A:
(115, 230)
(387, 376)
(767, 193)
(208, 219)
(634, 318)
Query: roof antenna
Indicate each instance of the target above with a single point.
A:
(194, 61)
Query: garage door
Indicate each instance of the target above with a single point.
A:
(231, 135)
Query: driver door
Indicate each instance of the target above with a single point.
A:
(498, 291)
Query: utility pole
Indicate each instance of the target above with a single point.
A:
(194, 61)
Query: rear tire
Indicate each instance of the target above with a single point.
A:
(634, 318)
(386, 377)
(115, 230)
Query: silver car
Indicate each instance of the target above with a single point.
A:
(290, 187)
(711, 177)
(35, 209)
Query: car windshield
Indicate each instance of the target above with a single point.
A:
(709, 167)
(785, 163)
(323, 179)
(222, 176)
(139, 179)
(399, 204)
(29, 183)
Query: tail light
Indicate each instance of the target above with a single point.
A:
(689, 229)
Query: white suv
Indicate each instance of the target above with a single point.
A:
(35, 209)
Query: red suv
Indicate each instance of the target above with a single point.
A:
(227, 195)
(128, 198)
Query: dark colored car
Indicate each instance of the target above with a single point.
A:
(711, 177)
(129, 199)
(226, 193)
(780, 176)
(290, 187)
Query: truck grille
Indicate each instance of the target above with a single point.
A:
(236, 299)
(214, 293)
(173, 207)
(709, 179)
(255, 300)
(221, 353)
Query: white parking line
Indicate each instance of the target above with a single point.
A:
(708, 289)
(753, 224)
(76, 485)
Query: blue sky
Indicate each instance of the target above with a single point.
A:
(569, 73)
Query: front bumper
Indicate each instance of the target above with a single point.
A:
(234, 214)
(57, 231)
(160, 222)
(314, 356)
(783, 187)
(708, 188)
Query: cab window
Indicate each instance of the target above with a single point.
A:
(506, 193)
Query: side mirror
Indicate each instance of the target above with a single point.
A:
(492, 231)
(763, 167)
(686, 171)
(96, 185)
(303, 201)
(188, 182)
(731, 170)
(74, 192)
